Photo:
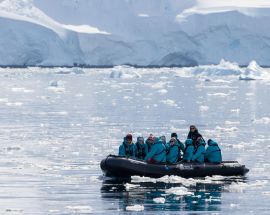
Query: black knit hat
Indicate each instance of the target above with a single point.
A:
(174, 135)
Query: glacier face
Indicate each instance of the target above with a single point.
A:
(136, 32)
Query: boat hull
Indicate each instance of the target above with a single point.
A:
(115, 166)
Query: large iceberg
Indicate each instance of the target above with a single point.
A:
(133, 32)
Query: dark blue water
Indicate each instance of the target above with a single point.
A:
(55, 128)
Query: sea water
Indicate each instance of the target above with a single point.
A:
(57, 124)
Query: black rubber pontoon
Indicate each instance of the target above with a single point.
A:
(116, 166)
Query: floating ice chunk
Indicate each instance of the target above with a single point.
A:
(160, 200)
(177, 179)
(267, 193)
(232, 129)
(163, 91)
(235, 110)
(120, 72)
(158, 85)
(143, 15)
(253, 72)
(14, 148)
(21, 89)
(127, 97)
(131, 186)
(263, 120)
(135, 208)
(138, 179)
(14, 104)
(232, 123)
(96, 179)
(218, 94)
(179, 191)
(80, 209)
(234, 205)
(224, 68)
(54, 83)
(4, 100)
(57, 86)
(77, 71)
(203, 108)
(14, 211)
(169, 102)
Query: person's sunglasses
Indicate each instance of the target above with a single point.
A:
(192, 128)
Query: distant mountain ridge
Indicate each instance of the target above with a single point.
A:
(133, 32)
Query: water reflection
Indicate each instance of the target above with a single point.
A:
(202, 196)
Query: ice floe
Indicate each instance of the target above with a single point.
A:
(179, 191)
(169, 102)
(80, 209)
(263, 120)
(124, 73)
(253, 72)
(135, 208)
(159, 200)
(224, 68)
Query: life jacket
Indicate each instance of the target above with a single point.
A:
(140, 150)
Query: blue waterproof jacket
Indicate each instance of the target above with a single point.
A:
(213, 152)
(199, 152)
(141, 150)
(182, 145)
(173, 153)
(157, 152)
(148, 146)
(128, 150)
(189, 150)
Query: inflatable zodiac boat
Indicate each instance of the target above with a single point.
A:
(116, 166)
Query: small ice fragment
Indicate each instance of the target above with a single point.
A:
(135, 208)
(159, 200)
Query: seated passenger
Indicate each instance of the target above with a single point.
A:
(194, 135)
(199, 152)
(157, 153)
(182, 146)
(213, 152)
(163, 138)
(150, 142)
(189, 150)
(173, 152)
(127, 148)
(141, 148)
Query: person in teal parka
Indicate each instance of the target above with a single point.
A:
(127, 148)
(189, 150)
(182, 146)
(150, 142)
(173, 151)
(141, 148)
(213, 152)
(199, 152)
(157, 153)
